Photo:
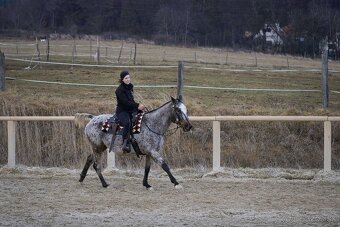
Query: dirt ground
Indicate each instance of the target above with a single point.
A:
(233, 197)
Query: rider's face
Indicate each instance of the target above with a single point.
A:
(127, 79)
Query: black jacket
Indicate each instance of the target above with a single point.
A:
(125, 100)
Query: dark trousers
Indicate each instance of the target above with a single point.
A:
(125, 120)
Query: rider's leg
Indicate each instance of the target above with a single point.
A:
(124, 118)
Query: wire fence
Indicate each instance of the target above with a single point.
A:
(86, 53)
(121, 53)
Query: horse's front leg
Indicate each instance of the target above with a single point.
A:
(166, 168)
(97, 165)
(159, 160)
(146, 172)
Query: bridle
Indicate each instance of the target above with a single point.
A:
(179, 113)
(177, 121)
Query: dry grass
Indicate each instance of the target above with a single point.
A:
(297, 145)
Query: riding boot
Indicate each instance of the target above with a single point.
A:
(126, 146)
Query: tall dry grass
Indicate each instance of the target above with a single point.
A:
(43, 143)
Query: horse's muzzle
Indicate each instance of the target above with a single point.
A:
(187, 127)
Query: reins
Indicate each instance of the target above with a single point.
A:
(160, 134)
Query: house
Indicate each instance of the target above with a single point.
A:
(272, 34)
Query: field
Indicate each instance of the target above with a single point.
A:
(53, 197)
(244, 144)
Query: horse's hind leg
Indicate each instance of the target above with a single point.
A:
(97, 165)
(88, 163)
(146, 172)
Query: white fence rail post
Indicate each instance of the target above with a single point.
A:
(327, 161)
(111, 160)
(11, 143)
(216, 145)
(11, 124)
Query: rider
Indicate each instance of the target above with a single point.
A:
(126, 105)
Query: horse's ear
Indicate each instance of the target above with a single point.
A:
(180, 98)
(173, 100)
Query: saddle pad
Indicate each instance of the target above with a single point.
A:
(138, 123)
(107, 124)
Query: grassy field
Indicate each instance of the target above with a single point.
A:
(298, 145)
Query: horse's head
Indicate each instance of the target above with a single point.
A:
(180, 114)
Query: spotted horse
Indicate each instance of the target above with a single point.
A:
(150, 140)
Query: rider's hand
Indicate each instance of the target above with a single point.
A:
(141, 106)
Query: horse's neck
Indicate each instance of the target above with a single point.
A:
(160, 119)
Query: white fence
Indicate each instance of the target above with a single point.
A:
(11, 123)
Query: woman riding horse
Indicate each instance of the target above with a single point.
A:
(150, 140)
(126, 105)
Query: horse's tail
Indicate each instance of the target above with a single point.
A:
(82, 118)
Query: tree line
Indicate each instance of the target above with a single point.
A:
(219, 23)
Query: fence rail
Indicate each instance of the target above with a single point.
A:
(11, 124)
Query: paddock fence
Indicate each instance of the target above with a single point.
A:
(99, 53)
(216, 125)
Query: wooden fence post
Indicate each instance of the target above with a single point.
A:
(325, 95)
(111, 160)
(11, 143)
(73, 52)
(38, 51)
(120, 52)
(180, 79)
(37, 47)
(134, 57)
(327, 162)
(287, 63)
(2, 71)
(91, 50)
(48, 50)
(98, 51)
(216, 145)
(255, 59)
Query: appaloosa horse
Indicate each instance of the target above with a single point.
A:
(150, 139)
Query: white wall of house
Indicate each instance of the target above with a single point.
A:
(271, 34)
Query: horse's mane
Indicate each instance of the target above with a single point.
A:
(157, 108)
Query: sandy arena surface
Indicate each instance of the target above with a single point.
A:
(232, 197)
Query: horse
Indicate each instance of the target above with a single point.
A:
(150, 139)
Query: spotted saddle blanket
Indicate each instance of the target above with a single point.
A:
(109, 123)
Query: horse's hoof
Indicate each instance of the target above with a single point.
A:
(150, 189)
(106, 185)
(81, 179)
(178, 187)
